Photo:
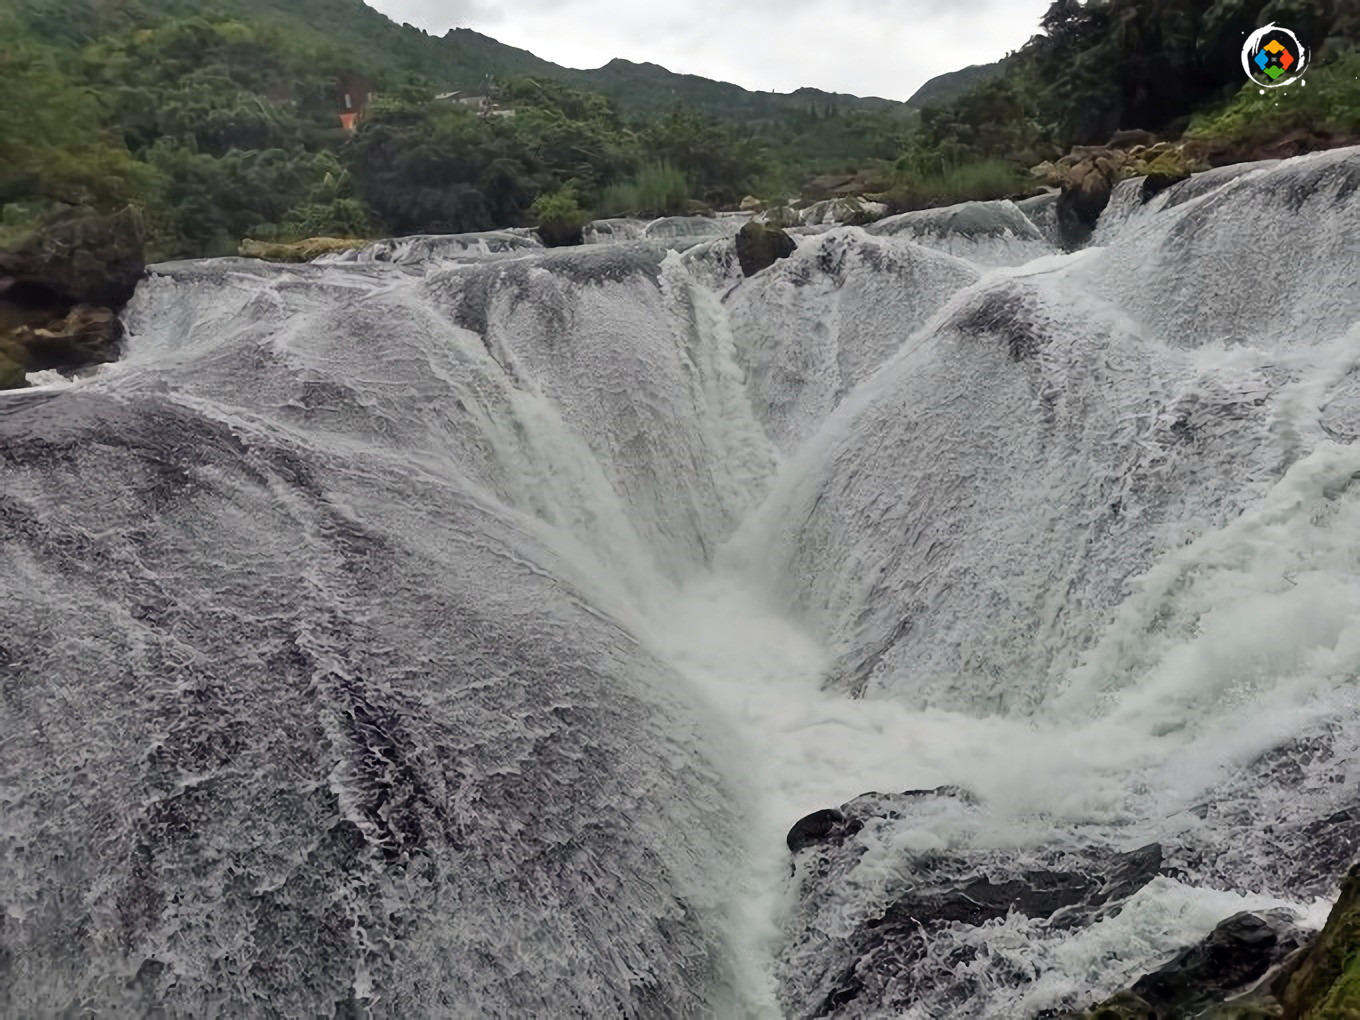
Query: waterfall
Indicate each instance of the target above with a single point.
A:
(456, 628)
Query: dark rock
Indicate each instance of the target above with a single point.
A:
(1155, 184)
(86, 336)
(908, 953)
(561, 235)
(829, 825)
(759, 247)
(1234, 955)
(79, 258)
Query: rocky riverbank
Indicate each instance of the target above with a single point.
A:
(61, 290)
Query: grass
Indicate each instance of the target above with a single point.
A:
(930, 187)
(1329, 102)
(658, 189)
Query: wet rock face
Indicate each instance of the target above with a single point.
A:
(1239, 951)
(902, 950)
(829, 826)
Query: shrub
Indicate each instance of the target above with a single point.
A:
(658, 189)
(560, 218)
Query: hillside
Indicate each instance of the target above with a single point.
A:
(946, 88)
(462, 58)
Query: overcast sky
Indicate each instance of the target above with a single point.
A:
(866, 47)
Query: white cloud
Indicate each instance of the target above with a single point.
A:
(866, 47)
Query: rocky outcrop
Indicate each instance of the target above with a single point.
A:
(298, 251)
(1253, 148)
(1221, 977)
(1087, 176)
(760, 246)
(80, 258)
(87, 335)
(61, 290)
(900, 948)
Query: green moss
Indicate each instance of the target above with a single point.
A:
(13, 365)
(1343, 999)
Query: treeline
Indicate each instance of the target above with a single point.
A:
(222, 129)
(1166, 66)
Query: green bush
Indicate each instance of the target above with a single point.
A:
(1329, 102)
(560, 218)
(658, 189)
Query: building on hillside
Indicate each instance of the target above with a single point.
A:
(354, 92)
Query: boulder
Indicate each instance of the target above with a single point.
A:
(751, 204)
(1087, 176)
(760, 246)
(826, 826)
(1250, 968)
(299, 251)
(1233, 956)
(87, 335)
(780, 216)
(81, 257)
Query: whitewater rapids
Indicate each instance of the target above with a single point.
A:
(457, 629)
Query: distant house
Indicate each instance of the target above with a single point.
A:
(354, 92)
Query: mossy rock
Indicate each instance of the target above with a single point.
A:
(298, 251)
(13, 365)
(1325, 985)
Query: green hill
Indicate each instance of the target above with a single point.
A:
(462, 58)
(946, 88)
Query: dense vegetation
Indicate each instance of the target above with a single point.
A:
(1159, 65)
(221, 121)
(224, 124)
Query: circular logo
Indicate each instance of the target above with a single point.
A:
(1274, 57)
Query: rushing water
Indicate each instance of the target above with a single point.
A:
(457, 629)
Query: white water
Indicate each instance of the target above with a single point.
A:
(681, 558)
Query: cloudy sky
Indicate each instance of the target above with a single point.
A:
(866, 47)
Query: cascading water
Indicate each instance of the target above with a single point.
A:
(456, 630)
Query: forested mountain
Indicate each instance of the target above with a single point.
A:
(221, 119)
(947, 87)
(462, 58)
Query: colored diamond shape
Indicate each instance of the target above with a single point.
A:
(1286, 60)
(1262, 60)
(1274, 72)
(1273, 46)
